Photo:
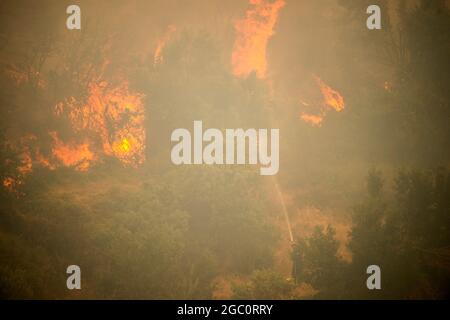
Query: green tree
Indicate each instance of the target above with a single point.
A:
(318, 263)
(264, 284)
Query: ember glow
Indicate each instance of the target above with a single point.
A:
(24, 156)
(20, 77)
(253, 33)
(315, 120)
(8, 183)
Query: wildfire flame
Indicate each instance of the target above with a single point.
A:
(23, 152)
(158, 57)
(26, 164)
(111, 116)
(315, 120)
(72, 155)
(115, 116)
(331, 100)
(8, 182)
(253, 33)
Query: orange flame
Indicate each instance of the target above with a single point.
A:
(26, 164)
(332, 98)
(253, 33)
(76, 155)
(157, 57)
(8, 183)
(312, 119)
(22, 149)
(115, 115)
(12, 185)
(43, 161)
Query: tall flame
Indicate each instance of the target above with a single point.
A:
(157, 56)
(253, 33)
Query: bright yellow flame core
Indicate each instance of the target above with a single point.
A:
(113, 115)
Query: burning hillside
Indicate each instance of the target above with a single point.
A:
(253, 32)
(109, 123)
